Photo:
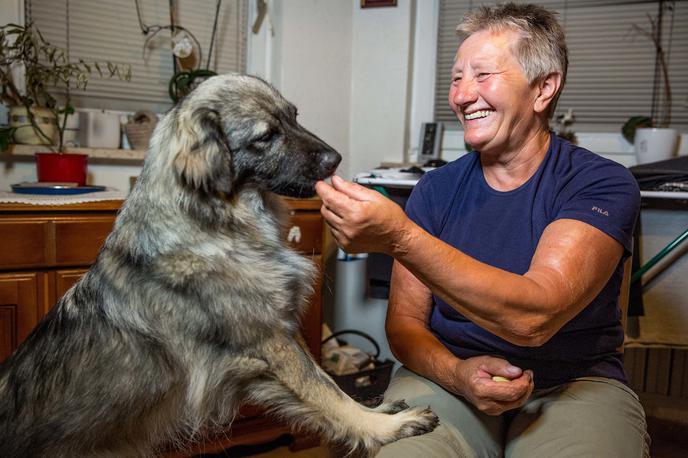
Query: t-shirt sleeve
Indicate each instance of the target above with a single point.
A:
(605, 196)
(419, 206)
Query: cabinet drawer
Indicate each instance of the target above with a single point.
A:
(78, 241)
(45, 242)
(304, 232)
(24, 243)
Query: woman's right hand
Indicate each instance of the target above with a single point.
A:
(473, 380)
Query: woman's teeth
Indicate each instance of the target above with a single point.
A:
(478, 114)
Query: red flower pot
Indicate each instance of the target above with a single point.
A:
(61, 167)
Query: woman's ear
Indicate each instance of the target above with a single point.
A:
(548, 92)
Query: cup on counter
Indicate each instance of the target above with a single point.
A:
(99, 129)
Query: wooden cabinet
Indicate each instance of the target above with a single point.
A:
(46, 249)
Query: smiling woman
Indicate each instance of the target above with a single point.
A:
(505, 266)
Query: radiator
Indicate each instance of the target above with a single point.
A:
(659, 375)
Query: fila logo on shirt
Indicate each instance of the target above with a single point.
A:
(600, 211)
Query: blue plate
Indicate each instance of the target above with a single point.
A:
(55, 190)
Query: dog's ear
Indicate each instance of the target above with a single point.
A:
(203, 160)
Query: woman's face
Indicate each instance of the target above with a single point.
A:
(490, 95)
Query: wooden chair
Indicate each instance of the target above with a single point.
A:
(624, 295)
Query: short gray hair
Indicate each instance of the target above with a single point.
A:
(541, 49)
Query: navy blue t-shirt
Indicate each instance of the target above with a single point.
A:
(455, 204)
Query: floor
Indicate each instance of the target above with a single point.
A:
(669, 440)
(276, 449)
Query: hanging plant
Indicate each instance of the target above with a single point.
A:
(183, 82)
(186, 50)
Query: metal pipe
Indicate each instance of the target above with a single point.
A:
(637, 275)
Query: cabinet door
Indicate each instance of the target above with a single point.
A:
(65, 279)
(22, 299)
(305, 232)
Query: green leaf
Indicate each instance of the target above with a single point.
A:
(5, 137)
(634, 122)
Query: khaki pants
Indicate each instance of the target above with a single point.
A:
(589, 417)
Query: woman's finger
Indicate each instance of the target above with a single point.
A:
(353, 190)
(332, 218)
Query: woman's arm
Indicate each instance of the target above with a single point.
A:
(572, 263)
(413, 344)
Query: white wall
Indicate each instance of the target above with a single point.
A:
(348, 71)
(309, 60)
(380, 95)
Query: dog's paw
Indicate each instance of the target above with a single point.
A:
(397, 421)
(417, 421)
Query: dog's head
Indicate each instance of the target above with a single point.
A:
(235, 130)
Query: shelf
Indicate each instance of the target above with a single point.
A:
(96, 153)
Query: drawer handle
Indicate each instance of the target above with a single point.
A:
(294, 235)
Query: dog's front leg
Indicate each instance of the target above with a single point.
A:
(301, 393)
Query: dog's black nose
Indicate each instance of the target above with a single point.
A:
(329, 160)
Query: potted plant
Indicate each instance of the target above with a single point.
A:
(35, 112)
(562, 121)
(651, 136)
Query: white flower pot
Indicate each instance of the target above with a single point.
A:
(25, 133)
(654, 144)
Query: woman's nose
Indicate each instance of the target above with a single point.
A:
(463, 92)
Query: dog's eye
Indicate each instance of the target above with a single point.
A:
(265, 137)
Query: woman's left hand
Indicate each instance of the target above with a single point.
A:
(362, 220)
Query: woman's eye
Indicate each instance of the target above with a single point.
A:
(483, 76)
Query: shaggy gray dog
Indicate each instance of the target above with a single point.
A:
(193, 304)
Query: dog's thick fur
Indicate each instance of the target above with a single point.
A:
(193, 303)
